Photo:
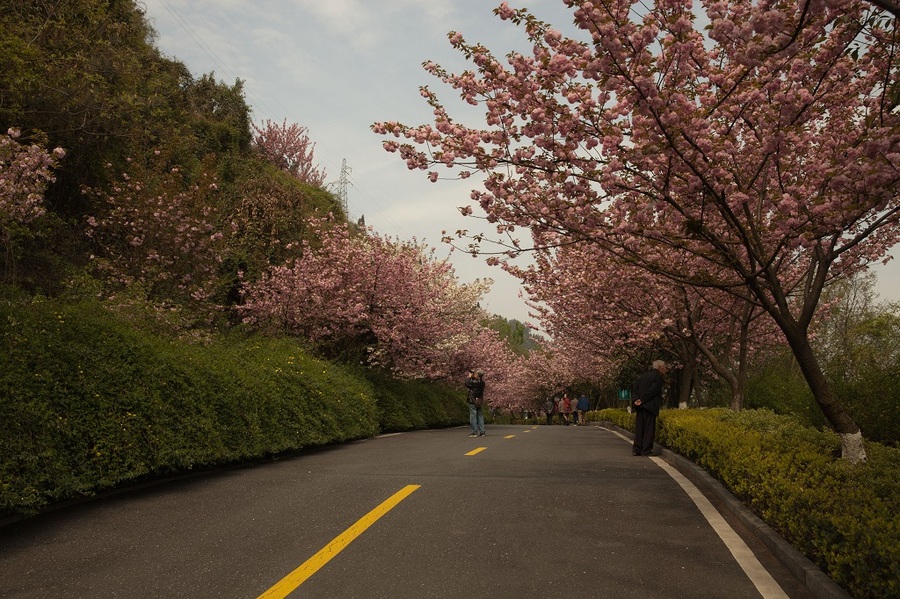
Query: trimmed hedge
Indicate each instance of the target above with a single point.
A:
(845, 518)
(90, 402)
(410, 405)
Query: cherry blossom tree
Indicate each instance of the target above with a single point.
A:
(602, 310)
(290, 149)
(764, 145)
(25, 172)
(155, 233)
(393, 299)
(505, 371)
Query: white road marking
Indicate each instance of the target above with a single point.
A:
(754, 570)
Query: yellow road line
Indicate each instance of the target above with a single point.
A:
(476, 450)
(510, 436)
(289, 583)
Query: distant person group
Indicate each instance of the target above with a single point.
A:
(647, 403)
(566, 410)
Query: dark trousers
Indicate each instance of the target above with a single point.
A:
(644, 432)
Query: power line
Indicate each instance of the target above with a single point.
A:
(210, 53)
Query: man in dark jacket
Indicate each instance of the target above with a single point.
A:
(475, 387)
(648, 403)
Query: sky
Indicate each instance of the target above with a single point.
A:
(337, 66)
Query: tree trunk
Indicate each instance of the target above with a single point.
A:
(852, 448)
(686, 383)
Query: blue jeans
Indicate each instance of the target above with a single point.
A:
(476, 419)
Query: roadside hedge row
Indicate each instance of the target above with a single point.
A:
(91, 402)
(844, 518)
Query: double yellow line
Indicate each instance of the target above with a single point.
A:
(289, 583)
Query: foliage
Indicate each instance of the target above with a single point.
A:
(268, 220)
(776, 383)
(620, 418)
(84, 73)
(519, 336)
(90, 402)
(859, 342)
(408, 405)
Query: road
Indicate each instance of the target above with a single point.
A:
(525, 512)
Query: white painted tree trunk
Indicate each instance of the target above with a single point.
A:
(852, 448)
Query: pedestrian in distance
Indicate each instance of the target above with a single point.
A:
(584, 405)
(475, 387)
(648, 402)
(548, 408)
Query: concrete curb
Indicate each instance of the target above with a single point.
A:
(816, 581)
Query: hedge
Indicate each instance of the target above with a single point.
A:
(844, 518)
(91, 402)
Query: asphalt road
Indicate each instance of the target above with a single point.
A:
(539, 512)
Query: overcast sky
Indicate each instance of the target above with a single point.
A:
(337, 66)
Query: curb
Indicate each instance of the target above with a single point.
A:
(816, 581)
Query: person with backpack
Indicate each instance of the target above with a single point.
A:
(475, 387)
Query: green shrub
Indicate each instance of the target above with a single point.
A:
(846, 519)
(409, 405)
(89, 402)
(620, 418)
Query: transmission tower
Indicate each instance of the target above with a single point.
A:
(342, 184)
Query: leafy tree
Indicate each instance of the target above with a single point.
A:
(516, 334)
(82, 72)
(859, 341)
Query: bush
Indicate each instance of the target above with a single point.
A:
(89, 401)
(408, 405)
(620, 418)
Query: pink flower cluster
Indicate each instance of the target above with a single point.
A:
(25, 172)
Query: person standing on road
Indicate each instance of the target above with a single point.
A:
(584, 404)
(475, 386)
(648, 403)
(565, 407)
(548, 408)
